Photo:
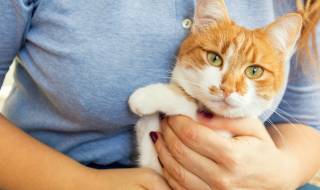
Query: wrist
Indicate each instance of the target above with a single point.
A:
(82, 177)
(93, 179)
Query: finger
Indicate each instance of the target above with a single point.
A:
(201, 166)
(182, 176)
(172, 182)
(252, 127)
(198, 138)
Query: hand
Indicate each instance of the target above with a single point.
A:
(195, 157)
(123, 179)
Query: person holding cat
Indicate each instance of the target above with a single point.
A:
(66, 123)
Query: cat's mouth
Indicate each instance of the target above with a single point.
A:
(226, 105)
(220, 108)
(203, 109)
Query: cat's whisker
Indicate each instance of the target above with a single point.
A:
(287, 103)
(305, 136)
(275, 129)
(283, 117)
(291, 116)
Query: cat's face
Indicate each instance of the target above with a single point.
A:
(233, 71)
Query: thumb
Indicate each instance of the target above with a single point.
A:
(238, 127)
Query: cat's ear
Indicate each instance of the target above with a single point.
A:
(285, 32)
(208, 13)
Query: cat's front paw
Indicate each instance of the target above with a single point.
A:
(142, 103)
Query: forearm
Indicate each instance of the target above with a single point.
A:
(302, 143)
(28, 164)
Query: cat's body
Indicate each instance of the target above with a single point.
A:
(230, 70)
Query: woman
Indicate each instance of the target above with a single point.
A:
(77, 63)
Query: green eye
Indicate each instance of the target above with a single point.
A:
(254, 72)
(214, 59)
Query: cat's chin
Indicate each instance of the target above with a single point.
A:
(224, 110)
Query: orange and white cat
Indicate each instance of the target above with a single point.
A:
(228, 69)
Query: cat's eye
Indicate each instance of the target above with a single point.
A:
(214, 59)
(254, 72)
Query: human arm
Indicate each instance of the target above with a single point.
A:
(25, 164)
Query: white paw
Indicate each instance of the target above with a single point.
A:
(142, 103)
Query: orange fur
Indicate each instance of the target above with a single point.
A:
(252, 47)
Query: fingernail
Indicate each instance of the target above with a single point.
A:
(160, 162)
(154, 136)
(206, 114)
(162, 116)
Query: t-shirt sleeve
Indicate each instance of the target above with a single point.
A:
(301, 101)
(15, 18)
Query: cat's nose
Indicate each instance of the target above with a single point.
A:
(227, 90)
(226, 94)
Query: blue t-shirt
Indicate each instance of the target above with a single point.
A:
(78, 61)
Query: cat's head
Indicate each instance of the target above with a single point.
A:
(232, 70)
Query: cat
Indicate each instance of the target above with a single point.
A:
(224, 68)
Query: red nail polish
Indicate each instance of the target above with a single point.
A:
(154, 136)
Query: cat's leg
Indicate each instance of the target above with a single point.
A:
(147, 102)
(147, 155)
(165, 98)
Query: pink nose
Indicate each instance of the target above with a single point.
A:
(226, 93)
(226, 90)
